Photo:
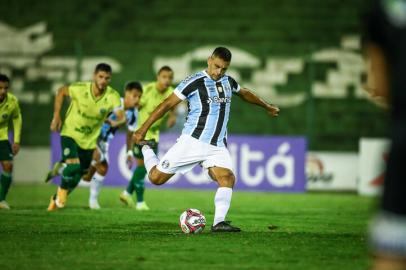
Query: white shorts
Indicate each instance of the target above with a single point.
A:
(187, 152)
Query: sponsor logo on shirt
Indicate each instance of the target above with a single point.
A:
(85, 130)
(219, 100)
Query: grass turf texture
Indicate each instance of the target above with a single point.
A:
(315, 231)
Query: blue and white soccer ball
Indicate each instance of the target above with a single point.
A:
(192, 221)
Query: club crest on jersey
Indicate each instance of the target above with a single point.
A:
(66, 151)
(165, 164)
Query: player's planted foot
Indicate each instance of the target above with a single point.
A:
(52, 205)
(127, 199)
(94, 205)
(61, 197)
(4, 205)
(224, 226)
(142, 206)
(54, 172)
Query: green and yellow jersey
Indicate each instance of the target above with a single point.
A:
(150, 99)
(9, 109)
(86, 113)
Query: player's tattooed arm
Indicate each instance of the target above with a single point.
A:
(168, 104)
(252, 98)
(56, 122)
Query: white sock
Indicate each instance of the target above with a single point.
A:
(95, 186)
(222, 201)
(150, 159)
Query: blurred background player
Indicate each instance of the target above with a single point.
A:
(154, 93)
(204, 137)
(9, 110)
(99, 165)
(91, 103)
(386, 43)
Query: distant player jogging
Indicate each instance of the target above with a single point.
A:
(204, 137)
(9, 110)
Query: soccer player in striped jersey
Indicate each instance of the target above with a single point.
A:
(99, 165)
(9, 110)
(204, 137)
(91, 103)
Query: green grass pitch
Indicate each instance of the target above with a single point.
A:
(315, 231)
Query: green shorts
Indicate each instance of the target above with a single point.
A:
(70, 149)
(5, 150)
(138, 153)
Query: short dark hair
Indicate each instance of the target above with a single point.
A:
(164, 68)
(223, 53)
(103, 67)
(133, 85)
(4, 78)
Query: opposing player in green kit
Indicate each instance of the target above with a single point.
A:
(9, 110)
(154, 93)
(91, 102)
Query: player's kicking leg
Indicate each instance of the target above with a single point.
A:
(151, 161)
(222, 175)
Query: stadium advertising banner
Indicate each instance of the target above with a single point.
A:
(374, 154)
(336, 171)
(261, 163)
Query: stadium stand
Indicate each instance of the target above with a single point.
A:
(132, 34)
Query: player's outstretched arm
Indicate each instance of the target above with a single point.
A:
(160, 111)
(252, 98)
(56, 119)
